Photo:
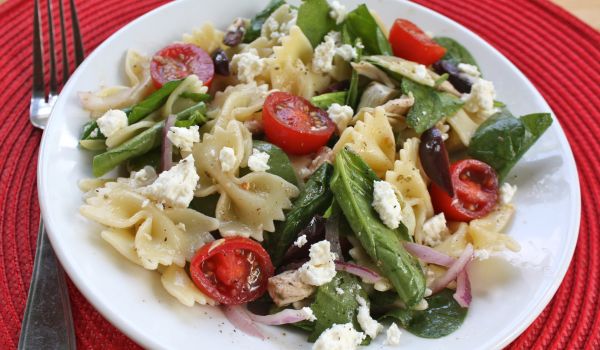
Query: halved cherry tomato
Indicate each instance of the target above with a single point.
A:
(411, 43)
(177, 61)
(475, 191)
(294, 124)
(232, 270)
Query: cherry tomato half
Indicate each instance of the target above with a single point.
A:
(177, 61)
(232, 270)
(475, 191)
(411, 43)
(294, 124)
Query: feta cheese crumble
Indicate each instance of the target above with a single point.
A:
(339, 337)
(421, 71)
(433, 229)
(340, 115)
(301, 241)
(339, 290)
(258, 161)
(393, 335)
(507, 192)
(112, 121)
(422, 305)
(481, 99)
(174, 187)
(338, 11)
(143, 177)
(279, 23)
(248, 65)
(469, 69)
(347, 52)
(320, 269)
(366, 322)
(227, 159)
(324, 53)
(184, 138)
(386, 204)
(308, 314)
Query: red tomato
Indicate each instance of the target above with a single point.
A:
(475, 191)
(294, 124)
(232, 270)
(177, 61)
(411, 43)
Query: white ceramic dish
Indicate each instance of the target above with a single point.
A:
(506, 299)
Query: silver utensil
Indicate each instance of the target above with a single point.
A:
(48, 322)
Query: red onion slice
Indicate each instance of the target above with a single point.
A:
(453, 271)
(366, 274)
(283, 317)
(166, 159)
(463, 289)
(429, 255)
(240, 319)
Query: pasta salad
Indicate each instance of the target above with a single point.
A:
(308, 167)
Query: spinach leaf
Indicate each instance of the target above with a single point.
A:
(352, 186)
(430, 105)
(331, 308)
(206, 205)
(140, 144)
(325, 100)
(443, 316)
(502, 140)
(279, 163)
(352, 96)
(455, 51)
(256, 23)
(361, 24)
(151, 158)
(314, 20)
(313, 199)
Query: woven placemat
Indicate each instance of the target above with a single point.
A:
(557, 52)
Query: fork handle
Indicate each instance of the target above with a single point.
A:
(48, 323)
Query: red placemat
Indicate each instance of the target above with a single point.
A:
(557, 52)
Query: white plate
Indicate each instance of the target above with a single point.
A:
(546, 223)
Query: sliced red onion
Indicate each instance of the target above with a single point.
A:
(166, 159)
(366, 274)
(283, 317)
(453, 271)
(240, 319)
(463, 289)
(429, 255)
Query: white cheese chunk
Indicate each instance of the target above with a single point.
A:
(308, 314)
(320, 269)
(174, 187)
(339, 337)
(112, 121)
(248, 65)
(346, 52)
(339, 290)
(340, 115)
(338, 11)
(300, 241)
(258, 161)
(469, 69)
(366, 322)
(184, 138)
(421, 72)
(143, 177)
(422, 305)
(393, 335)
(324, 53)
(433, 229)
(481, 99)
(507, 192)
(227, 159)
(386, 204)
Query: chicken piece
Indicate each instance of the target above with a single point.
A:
(287, 288)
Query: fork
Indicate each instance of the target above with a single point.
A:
(48, 322)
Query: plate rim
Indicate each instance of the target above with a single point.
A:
(140, 338)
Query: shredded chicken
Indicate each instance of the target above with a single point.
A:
(287, 288)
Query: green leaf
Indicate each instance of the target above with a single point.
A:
(314, 20)
(398, 68)
(361, 24)
(455, 51)
(279, 162)
(256, 23)
(352, 96)
(325, 100)
(151, 158)
(206, 205)
(430, 105)
(502, 140)
(352, 186)
(443, 316)
(313, 199)
(332, 308)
